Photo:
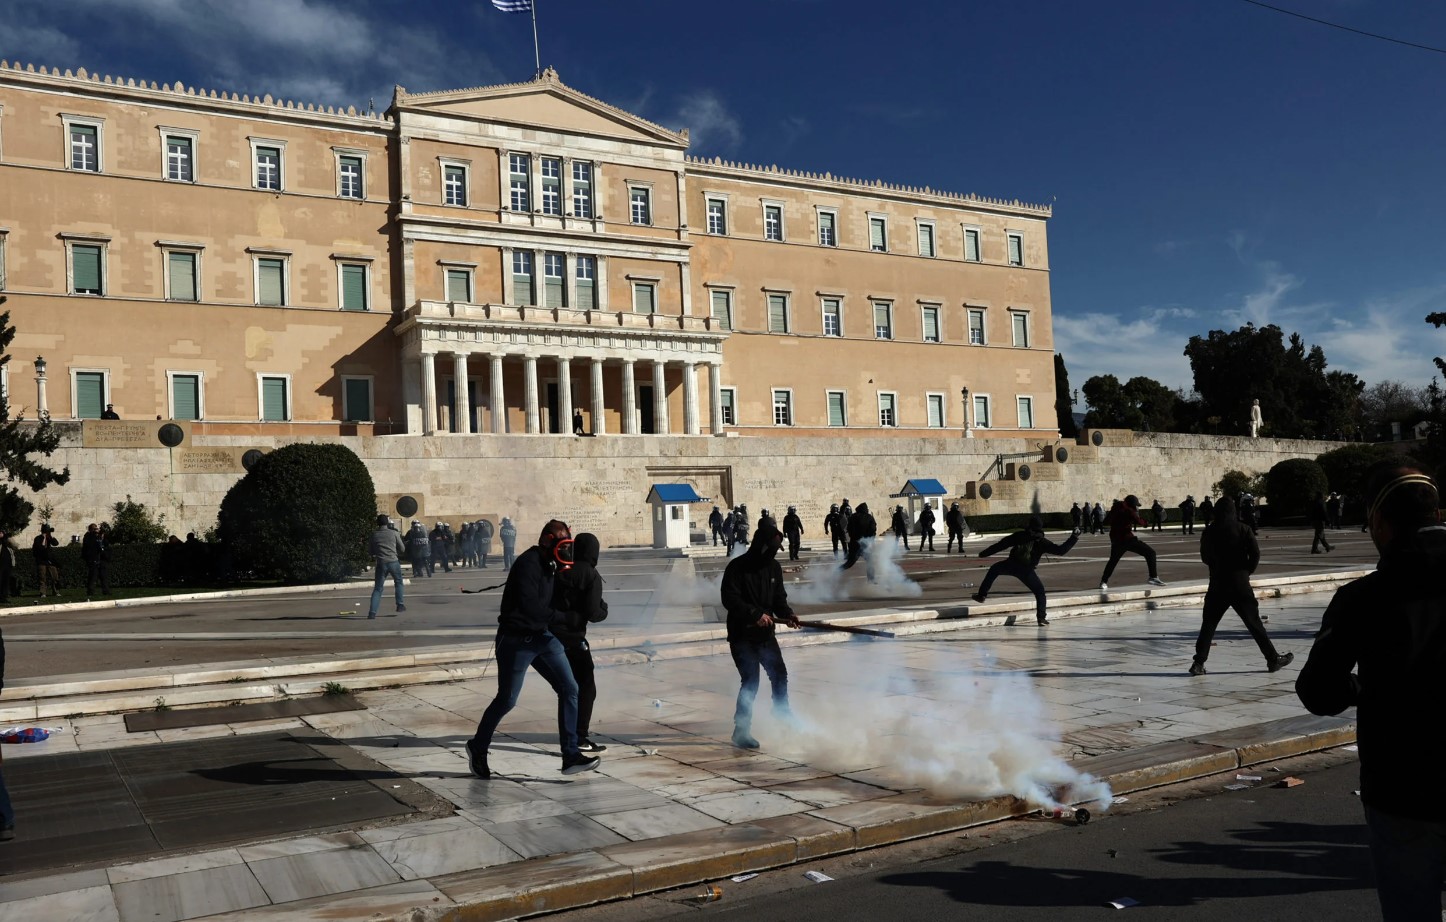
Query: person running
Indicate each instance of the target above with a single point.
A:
(755, 598)
(1318, 518)
(1123, 519)
(578, 595)
(1025, 548)
(1230, 551)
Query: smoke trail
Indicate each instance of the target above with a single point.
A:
(969, 733)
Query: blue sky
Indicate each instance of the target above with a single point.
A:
(1210, 162)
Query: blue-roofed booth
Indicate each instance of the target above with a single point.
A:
(922, 491)
(670, 501)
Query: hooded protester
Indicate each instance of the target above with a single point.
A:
(755, 598)
(1025, 548)
(1381, 649)
(508, 534)
(862, 532)
(1124, 518)
(1230, 551)
(578, 595)
(1318, 517)
(841, 526)
(899, 524)
(957, 525)
(1157, 516)
(793, 530)
(834, 528)
(524, 639)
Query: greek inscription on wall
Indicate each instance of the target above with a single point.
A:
(763, 484)
(115, 433)
(609, 486)
(208, 461)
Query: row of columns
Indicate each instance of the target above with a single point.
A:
(531, 404)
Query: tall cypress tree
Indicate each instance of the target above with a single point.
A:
(19, 448)
(1063, 405)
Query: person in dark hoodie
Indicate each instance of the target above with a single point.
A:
(523, 640)
(1382, 650)
(577, 594)
(1025, 549)
(755, 598)
(1123, 519)
(1230, 551)
(862, 532)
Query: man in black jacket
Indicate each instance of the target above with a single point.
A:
(863, 531)
(793, 530)
(715, 525)
(1318, 518)
(523, 640)
(96, 554)
(1025, 548)
(926, 527)
(1231, 553)
(955, 522)
(1382, 649)
(578, 595)
(755, 598)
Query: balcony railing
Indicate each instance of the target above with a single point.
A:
(562, 316)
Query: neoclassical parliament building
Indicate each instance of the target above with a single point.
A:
(507, 259)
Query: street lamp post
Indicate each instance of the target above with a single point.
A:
(964, 395)
(42, 410)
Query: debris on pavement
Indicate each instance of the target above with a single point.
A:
(1123, 902)
(1289, 782)
(710, 894)
(1237, 787)
(1249, 778)
(742, 877)
(817, 877)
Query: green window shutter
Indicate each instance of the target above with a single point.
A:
(89, 394)
(354, 288)
(85, 269)
(457, 287)
(777, 314)
(273, 399)
(876, 233)
(269, 281)
(1016, 250)
(931, 326)
(586, 295)
(182, 269)
(644, 300)
(186, 397)
(720, 310)
(835, 409)
(971, 245)
(358, 398)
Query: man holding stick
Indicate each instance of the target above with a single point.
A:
(756, 600)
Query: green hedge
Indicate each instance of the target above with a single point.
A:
(1011, 521)
(131, 565)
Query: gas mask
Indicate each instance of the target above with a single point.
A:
(562, 553)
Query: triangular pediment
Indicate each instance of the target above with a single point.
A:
(544, 103)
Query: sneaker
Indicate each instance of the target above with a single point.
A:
(477, 761)
(1042, 622)
(1281, 661)
(744, 740)
(401, 608)
(1104, 586)
(371, 616)
(7, 832)
(1155, 581)
(576, 765)
(978, 598)
(1197, 668)
(587, 745)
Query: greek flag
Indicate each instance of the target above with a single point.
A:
(513, 6)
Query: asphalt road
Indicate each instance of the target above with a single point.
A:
(1192, 851)
(643, 592)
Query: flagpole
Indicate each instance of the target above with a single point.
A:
(536, 54)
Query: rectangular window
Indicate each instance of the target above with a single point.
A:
(832, 317)
(722, 306)
(878, 235)
(778, 313)
(459, 285)
(717, 216)
(1026, 412)
(275, 402)
(976, 328)
(179, 160)
(87, 269)
(827, 232)
(728, 403)
(931, 324)
(185, 396)
(971, 244)
(356, 400)
(354, 287)
(1016, 249)
(837, 409)
(883, 320)
(85, 147)
(554, 277)
(454, 185)
(3, 235)
(522, 292)
(519, 173)
(981, 411)
(782, 408)
(551, 186)
(645, 298)
(926, 240)
(1021, 328)
(581, 189)
(349, 177)
(268, 167)
(181, 276)
(887, 416)
(772, 222)
(936, 410)
(586, 283)
(89, 394)
(640, 204)
(271, 281)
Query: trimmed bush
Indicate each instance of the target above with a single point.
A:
(1345, 467)
(1292, 486)
(302, 514)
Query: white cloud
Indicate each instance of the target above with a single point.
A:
(41, 45)
(712, 128)
(1105, 344)
(1387, 338)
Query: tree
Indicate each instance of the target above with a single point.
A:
(133, 524)
(1154, 401)
(17, 446)
(1387, 402)
(1063, 405)
(1345, 467)
(301, 514)
(1292, 485)
(1109, 407)
(1233, 483)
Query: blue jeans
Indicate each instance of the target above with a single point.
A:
(544, 653)
(748, 656)
(1409, 856)
(385, 568)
